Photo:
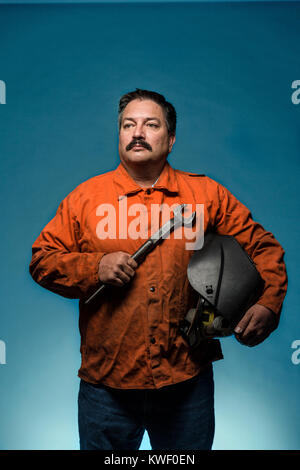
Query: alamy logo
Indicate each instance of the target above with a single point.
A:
(2, 92)
(2, 352)
(136, 220)
(296, 94)
(296, 354)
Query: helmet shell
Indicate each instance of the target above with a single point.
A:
(225, 276)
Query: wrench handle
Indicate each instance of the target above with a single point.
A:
(143, 251)
(137, 256)
(100, 289)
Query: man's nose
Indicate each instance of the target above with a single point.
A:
(139, 131)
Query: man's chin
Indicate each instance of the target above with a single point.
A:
(140, 157)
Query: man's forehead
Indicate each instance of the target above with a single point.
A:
(143, 108)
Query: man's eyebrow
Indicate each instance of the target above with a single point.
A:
(146, 119)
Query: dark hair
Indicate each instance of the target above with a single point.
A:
(168, 108)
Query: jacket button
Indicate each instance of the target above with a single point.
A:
(152, 288)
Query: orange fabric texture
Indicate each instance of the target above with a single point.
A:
(130, 336)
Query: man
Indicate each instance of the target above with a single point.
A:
(137, 370)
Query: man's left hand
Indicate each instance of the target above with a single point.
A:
(256, 325)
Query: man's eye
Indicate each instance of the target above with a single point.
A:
(127, 125)
(153, 125)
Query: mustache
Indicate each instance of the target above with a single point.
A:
(142, 142)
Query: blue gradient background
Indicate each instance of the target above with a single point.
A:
(228, 69)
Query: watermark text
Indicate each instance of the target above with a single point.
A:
(295, 97)
(296, 354)
(2, 352)
(2, 92)
(151, 458)
(139, 221)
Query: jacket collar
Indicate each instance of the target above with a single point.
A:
(126, 185)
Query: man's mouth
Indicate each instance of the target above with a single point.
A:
(138, 145)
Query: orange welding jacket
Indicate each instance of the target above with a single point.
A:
(130, 336)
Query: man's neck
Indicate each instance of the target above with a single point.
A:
(145, 176)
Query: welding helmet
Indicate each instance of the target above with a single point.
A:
(228, 283)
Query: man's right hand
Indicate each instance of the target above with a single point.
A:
(116, 268)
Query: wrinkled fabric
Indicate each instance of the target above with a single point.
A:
(130, 335)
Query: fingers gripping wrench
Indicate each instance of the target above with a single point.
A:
(176, 221)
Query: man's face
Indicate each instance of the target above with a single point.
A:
(143, 136)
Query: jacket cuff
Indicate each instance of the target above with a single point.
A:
(95, 281)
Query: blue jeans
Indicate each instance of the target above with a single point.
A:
(176, 417)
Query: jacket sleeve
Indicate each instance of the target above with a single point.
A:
(233, 218)
(57, 263)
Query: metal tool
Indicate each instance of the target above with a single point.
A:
(176, 221)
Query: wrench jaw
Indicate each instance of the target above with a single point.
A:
(188, 221)
(184, 220)
(177, 221)
(181, 220)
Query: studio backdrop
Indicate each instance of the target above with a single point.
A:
(232, 71)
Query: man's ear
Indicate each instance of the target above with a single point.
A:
(172, 139)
